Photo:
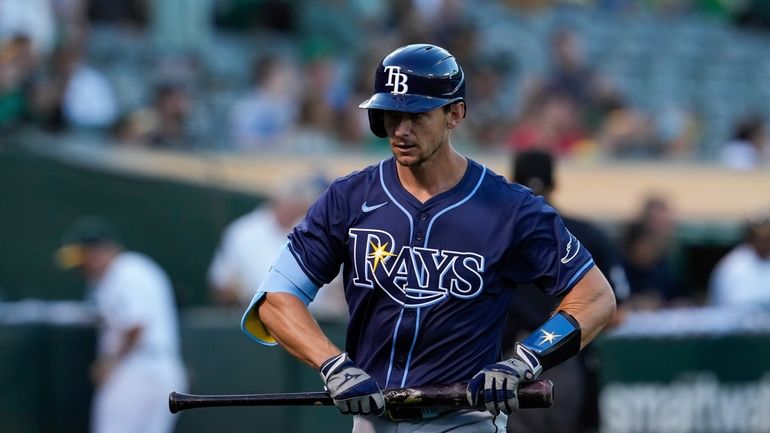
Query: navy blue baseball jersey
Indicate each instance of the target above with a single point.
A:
(428, 284)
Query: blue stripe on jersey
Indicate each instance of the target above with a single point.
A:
(411, 349)
(393, 199)
(578, 274)
(393, 346)
(425, 245)
(411, 231)
(448, 208)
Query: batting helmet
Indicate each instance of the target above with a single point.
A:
(414, 79)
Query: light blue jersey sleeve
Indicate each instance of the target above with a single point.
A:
(285, 276)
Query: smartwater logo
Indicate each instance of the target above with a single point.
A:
(693, 404)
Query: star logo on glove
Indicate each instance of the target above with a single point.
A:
(547, 337)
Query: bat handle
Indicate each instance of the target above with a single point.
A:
(536, 394)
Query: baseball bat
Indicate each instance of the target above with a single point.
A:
(536, 394)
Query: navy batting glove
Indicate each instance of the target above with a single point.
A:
(353, 391)
(498, 384)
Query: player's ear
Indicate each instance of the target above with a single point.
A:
(456, 114)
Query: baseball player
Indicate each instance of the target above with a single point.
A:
(433, 245)
(138, 359)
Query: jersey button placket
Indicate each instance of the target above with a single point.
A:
(408, 324)
(421, 220)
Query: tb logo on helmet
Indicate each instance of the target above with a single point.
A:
(397, 80)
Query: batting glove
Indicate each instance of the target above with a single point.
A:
(498, 383)
(353, 391)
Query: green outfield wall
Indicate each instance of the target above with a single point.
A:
(178, 224)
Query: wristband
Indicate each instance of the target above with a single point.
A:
(556, 340)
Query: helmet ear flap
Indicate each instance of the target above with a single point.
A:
(377, 122)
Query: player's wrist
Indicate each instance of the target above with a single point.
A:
(352, 389)
(332, 364)
(526, 358)
(555, 341)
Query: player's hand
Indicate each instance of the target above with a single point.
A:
(353, 391)
(497, 384)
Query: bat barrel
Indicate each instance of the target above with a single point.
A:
(178, 401)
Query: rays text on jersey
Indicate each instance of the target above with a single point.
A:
(414, 276)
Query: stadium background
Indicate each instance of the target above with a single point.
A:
(689, 69)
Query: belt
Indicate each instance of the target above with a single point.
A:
(401, 413)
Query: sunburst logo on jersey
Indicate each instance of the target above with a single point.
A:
(379, 254)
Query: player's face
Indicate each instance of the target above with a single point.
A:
(418, 137)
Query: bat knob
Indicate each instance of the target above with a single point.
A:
(173, 402)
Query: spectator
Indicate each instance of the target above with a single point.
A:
(447, 23)
(657, 216)
(249, 247)
(575, 111)
(352, 123)
(592, 92)
(349, 128)
(678, 129)
(489, 123)
(648, 243)
(264, 117)
(74, 93)
(17, 64)
(577, 409)
(333, 22)
(623, 132)
(550, 122)
(33, 18)
(138, 357)
(569, 71)
(748, 149)
(313, 133)
(163, 125)
(742, 277)
(535, 170)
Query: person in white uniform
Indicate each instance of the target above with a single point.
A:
(138, 356)
(742, 277)
(251, 243)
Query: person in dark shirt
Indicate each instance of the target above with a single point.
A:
(576, 409)
(648, 243)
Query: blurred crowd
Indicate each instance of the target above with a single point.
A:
(290, 78)
(291, 82)
(302, 69)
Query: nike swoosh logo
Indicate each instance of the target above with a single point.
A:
(366, 209)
